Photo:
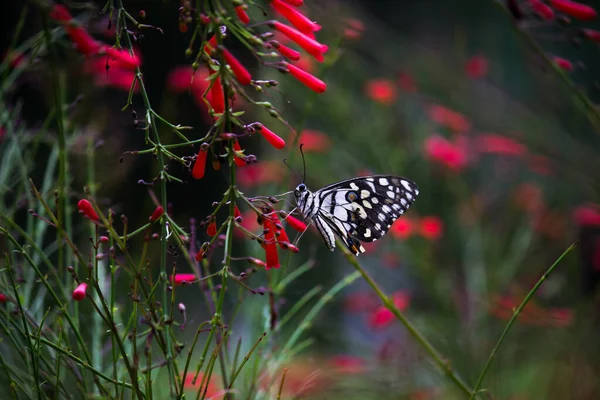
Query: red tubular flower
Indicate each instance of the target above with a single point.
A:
(591, 34)
(218, 97)
(182, 279)
(3, 298)
(271, 137)
(83, 41)
(280, 234)
(157, 214)
(240, 72)
(295, 223)
(382, 317)
(381, 90)
(313, 141)
(295, 3)
(122, 55)
(236, 212)
(305, 78)
(60, 13)
(311, 46)
(200, 255)
(563, 64)
(85, 208)
(200, 164)
(574, 9)
(587, 215)
(211, 230)
(241, 13)
(347, 365)
(261, 173)
(402, 228)
(449, 118)
(446, 153)
(238, 161)
(286, 51)
(79, 292)
(272, 257)
(431, 227)
(543, 10)
(295, 17)
(492, 143)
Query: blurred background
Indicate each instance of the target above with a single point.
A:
(456, 96)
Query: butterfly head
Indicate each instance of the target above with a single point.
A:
(300, 189)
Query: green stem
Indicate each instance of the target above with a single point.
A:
(513, 319)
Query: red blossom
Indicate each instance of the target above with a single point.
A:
(241, 13)
(257, 174)
(360, 302)
(446, 153)
(407, 83)
(239, 71)
(449, 118)
(200, 164)
(574, 9)
(236, 212)
(431, 227)
(305, 78)
(79, 292)
(118, 79)
(382, 91)
(295, 223)
(286, 51)
(295, 3)
(563, 63)
(60, 13)
(182, 279)
(476, 67)
(249, 222)
(497, 144)
(543, 10)
(402, 228)
(125, 58)
(382, 317)
(85, 208)
(587, 215)
(218, 97)
(272, 257)
(347, 365)
(3, 298)
(354, 29)
(211, 230)
(591, 34)
(312, 141)
(503, 307)
(271, 137)
(295, 17)
(83, 41)
(158, 212)
(311, 46)
(212, 387)
(200, 255)
(238, 161)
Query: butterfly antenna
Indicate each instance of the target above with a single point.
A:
(290, 167)
(303, 163)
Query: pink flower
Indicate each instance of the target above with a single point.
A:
(446, 153)
(305, 78)
(263, 172)
(79, 292)
(574, 9)
(591, 34)
(313, 141)
(587, 215)
(563, 63)
(402, 228)
(449, 118)
(543, 10)
(295, 17)
(431, 227)
(382, 91)
(476, 67)
(271, 137)
(382, 317)
(241, 13)
(86, 208)
(182, 279)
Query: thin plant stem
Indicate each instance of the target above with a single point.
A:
(513, 319)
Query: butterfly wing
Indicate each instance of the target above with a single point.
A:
(363, 209)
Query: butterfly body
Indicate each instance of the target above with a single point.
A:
(356, 210)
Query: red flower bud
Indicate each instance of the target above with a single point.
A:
(295, 223)
(563, 63)
(79, 292)
(181, 279)
(3, 298)
(270, 247)
(295, 17)
(241, 13)
(286, 51)
(200, 255)
(591, 34)
(295, 3)
(125, 58)
(211, 230)
(305, 78)
(236, 212)
(257, 262)
(60, 13)
(217, 96)
(85, 208)
(240, 72)
(543, 10)
(311, 46)
(574, 9)
(200, 164)
(157, 214)
(271, 137)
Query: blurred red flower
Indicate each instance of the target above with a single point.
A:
(449, 118)
(587, 215)
(503, 307)
(181, 279)
(431, 227)
(354, 29)
(476, 67)
(382, 317)
(314, 141)
(249, 222)
(407, 83)
(190, 384)
(563, 63)
(574, 9)
(402, 228)
(498, 144)
(446, 153)
(543, 10)
(382, 91)
(260, 173)
(360, 302)
(347, 365)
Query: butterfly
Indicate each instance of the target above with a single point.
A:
(356, 210)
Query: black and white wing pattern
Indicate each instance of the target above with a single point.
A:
(358, 209)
